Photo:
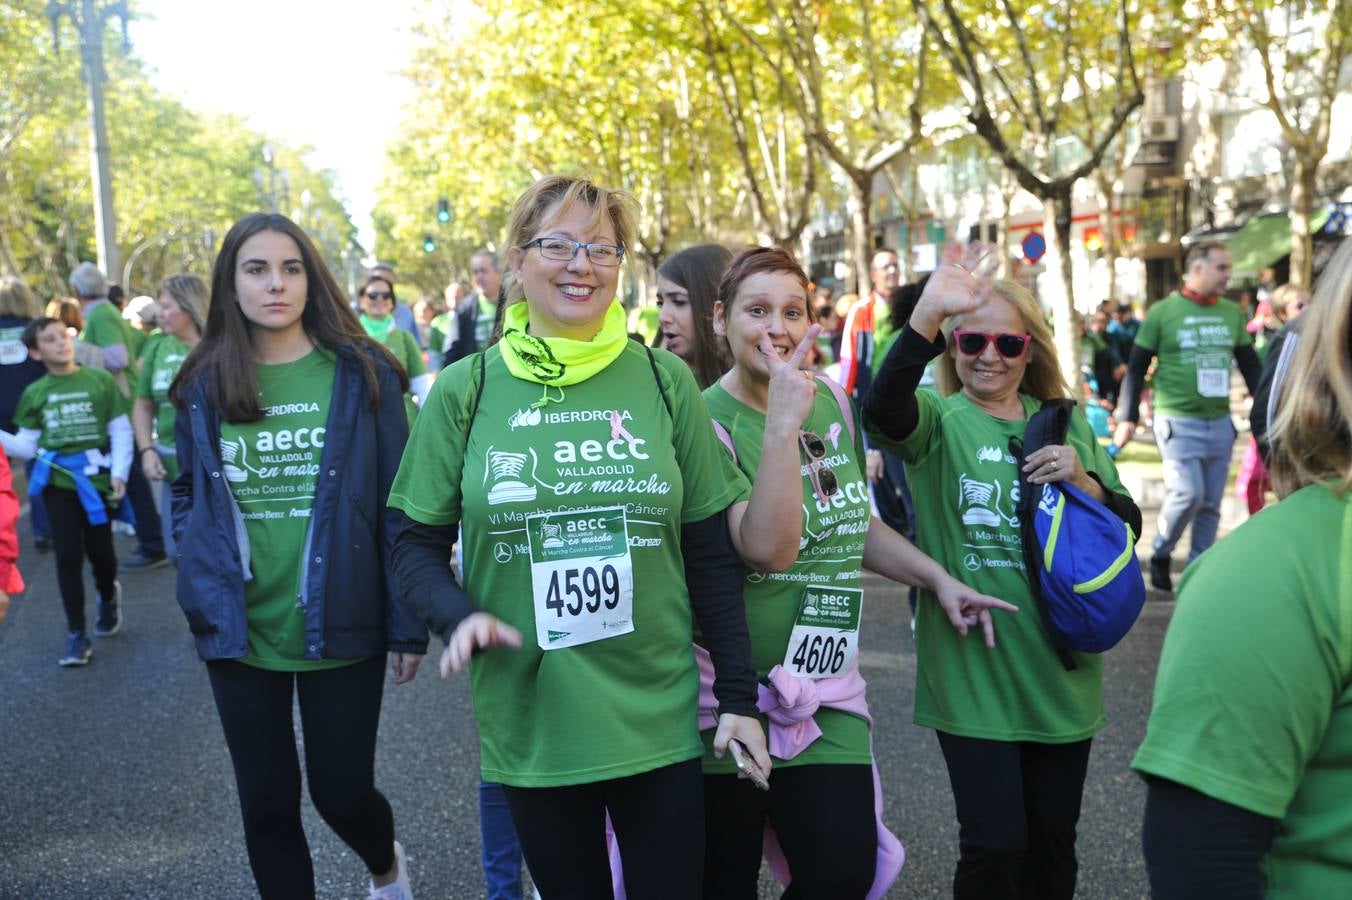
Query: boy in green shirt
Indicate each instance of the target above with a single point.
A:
(74, 421)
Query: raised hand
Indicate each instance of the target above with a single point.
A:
(792, 387)
(956, 287)
(478, 631)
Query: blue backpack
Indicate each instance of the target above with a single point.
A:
(1080, 555)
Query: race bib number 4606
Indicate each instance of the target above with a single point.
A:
(825, 639)
(582, 577)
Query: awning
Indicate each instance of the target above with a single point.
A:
(1265, 239)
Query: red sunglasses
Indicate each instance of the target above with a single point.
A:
(1010, 346)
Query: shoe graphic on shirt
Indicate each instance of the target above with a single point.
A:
(233, 452)
(550, 535)
(979, 501)
(505, 469)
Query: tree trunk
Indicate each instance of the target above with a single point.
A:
(1058, 289)
(861, 231)
(1107, 198)
(1302, 205)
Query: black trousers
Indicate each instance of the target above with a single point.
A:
(1018, 805)
(659, 825)
(823, 819)
(73, 538)
(149, 529)
(339, 711)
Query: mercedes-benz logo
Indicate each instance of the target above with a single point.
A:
(972, 562)
(502, 552)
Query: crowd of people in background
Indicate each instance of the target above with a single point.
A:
(644, 536)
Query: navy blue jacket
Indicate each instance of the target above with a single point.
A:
(347, 581)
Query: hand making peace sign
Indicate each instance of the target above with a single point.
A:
(956, 287)
(791, 386)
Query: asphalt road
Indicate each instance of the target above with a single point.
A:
(115, 781)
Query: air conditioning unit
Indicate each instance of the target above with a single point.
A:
(1159, 129)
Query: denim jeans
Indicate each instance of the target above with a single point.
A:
(502, 850)
(1196, 454)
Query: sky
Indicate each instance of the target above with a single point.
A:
(318, 72)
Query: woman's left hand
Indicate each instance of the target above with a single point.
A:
(966, 608)
(746, 729)
(403, 666)
(1055, 462)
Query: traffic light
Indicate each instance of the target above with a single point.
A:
(443, 211)
(429, 244)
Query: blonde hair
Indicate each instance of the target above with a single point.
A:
(1042, 378)
(192, 296)
(1282, 297)
(16, 300)
(557, 194)
(1312, 435)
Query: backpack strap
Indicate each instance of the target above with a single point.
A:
(657, 376)
(478, 394)
(846, 409)
(1049, 425)
(725, 438)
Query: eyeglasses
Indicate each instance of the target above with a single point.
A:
(379, 295)
(1010, 346)
(563, 249)
(824, 481)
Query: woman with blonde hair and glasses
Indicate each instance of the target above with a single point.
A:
(1013, 723)
(1248, 751)
(599, 523)
(183, 301)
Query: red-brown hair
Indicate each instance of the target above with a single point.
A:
(754, 261)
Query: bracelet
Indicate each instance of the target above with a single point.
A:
(144, 450)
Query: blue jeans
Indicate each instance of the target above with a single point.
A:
(502, 850)
(1196, 454)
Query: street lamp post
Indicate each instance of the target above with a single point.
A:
(89, 21)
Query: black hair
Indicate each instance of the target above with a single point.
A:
(34, 328)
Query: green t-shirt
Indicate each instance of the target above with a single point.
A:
(437, 331)
(105, 327)
(1253, 701)
(405, 349)
(560, 483)
(831, 553)
(72, 412)
(272, 467)
(158, 368)
(965, 484)
(486, 315)
(1194, 344)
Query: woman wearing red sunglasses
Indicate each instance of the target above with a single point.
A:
(1014, 725)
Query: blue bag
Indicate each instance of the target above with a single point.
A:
(1080, 555)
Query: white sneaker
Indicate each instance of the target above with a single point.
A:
(399, 888)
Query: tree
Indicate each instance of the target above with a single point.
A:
(856, 76)
(1302, 46)
(1021, 68)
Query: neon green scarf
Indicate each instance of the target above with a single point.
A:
(558, 362)
(377, 328)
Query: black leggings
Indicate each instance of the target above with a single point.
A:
(823, 819)
(1018, 805)
(659, 825)
(339, 711)
(73, 538)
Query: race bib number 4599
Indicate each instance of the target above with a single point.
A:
(582, 577)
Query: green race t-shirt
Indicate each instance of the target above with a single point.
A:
(105, 327)
(486, 313)
(72, 412)
(561, 507)
(966, 483)
(272, 466)
(830, 555)
(158, 368)
(1253, 701)
(405, 349)
(1194, 344)
(437, 332)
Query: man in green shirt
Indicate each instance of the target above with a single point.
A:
(472, 322)
(105, 328)
(1194, 333)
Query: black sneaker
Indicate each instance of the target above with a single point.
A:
(139, 562)
(1159, 575)
(109, 619)
(78, 650)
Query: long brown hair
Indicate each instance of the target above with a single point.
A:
(224, 358)
(699, 269)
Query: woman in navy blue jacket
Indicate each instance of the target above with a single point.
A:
(290, 429)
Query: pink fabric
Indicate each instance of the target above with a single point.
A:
(1252, 482)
